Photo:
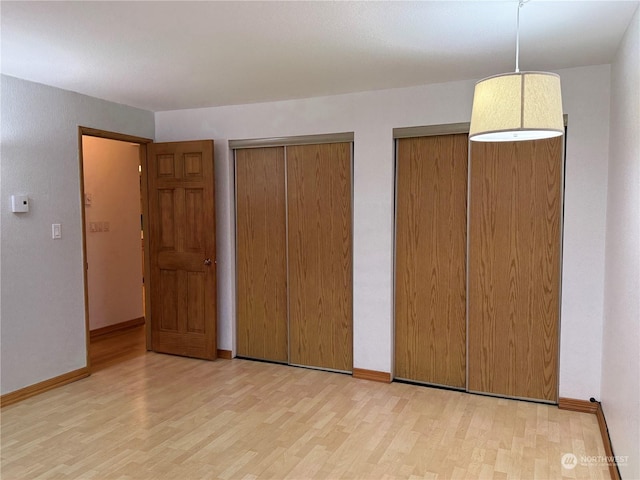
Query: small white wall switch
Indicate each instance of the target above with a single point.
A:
(19, 203)
(56, 231)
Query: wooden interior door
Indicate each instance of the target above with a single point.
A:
(431, 243)
(262, 328)
(182, 248)
(320, 258)
(514, 268)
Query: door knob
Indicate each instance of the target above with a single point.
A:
(207, 261)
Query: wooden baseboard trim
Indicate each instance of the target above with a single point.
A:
(606, 440)
(372, 375)
(225, 354)
(575, 405)
(98, 332)
(44, 386)
(586, 406)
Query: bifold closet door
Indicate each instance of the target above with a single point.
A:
(320, 258)
(261, 254)
(514, 268)
(431, 242)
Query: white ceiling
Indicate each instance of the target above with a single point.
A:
(174, 55)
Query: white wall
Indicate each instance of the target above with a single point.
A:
(42, 298)
(586, 100)
(372, 116)
(114, 255)
(621, 335)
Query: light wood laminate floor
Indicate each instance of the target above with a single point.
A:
(117, 347)
(154, 416)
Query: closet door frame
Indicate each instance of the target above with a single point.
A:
(341, 137)
(457, 128)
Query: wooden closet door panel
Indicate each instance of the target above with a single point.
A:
(320, 258)
(431, 243)
(514, 268)
(261, 254)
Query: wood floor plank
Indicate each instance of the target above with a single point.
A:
(157, 416)
(115, 347)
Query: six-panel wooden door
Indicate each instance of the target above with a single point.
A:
(182, 248)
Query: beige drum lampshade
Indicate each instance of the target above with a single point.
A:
(517, 106)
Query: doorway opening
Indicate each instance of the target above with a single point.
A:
(113, 193)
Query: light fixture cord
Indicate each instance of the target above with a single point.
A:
(520, 4)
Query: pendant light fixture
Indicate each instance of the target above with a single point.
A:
(517, 106)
